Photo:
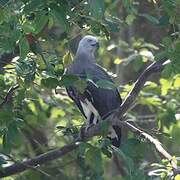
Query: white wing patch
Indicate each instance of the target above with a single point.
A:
(89, 109)
(112, 133)
(86, 110)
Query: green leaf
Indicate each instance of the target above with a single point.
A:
(127, 160)
(68, 80)
(40, 21)
(161, 55)
(104, 128)
(112, 25)
(97, 8)
(130, 19)
(26, 69)
(2, 81)
(24, 47)
(117, 60)
(105, 84)
(164, 21)
(165, 86)
(59, 13)
(6, 116)
(11, 136)
(28, 27)
(151, 18)
(167, 41)
(50, 82)
(5, 14)
(33, 5)
(95, 27)
(168, 117)
(93, 158)
(177, 177)
(136, 175)
(131, 147)
(177, 82)
(150, 101)
(80, 85)
(67, 59)
(106, 152)
(3, 2)
(58, 70)
(82, 147)
(168, 71)
(6, 143)
(7, 44)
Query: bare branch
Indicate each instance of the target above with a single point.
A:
(150, 138)
(130, 98)
(38, 160)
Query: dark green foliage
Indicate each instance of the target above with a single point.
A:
(34, 119)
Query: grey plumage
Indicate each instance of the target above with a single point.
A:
(95, 103)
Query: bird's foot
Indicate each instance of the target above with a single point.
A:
(83, 131)
(81, 134)
(89, 126)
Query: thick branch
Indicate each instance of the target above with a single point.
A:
(130, 98)
(126, 105)
(38, 160)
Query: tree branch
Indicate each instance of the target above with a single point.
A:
(8, 96)
(130, 98)
(95, 130)
(151, 139)
(38, 160)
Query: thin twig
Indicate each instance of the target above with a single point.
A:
(8, 96)
(153, 140)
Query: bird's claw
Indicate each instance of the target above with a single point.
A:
(83, 131)
(88, 127)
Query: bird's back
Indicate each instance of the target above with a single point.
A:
(105, 100)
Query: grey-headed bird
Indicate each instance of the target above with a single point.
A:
(95, 103)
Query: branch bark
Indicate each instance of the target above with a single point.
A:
(38, 160)
(95, 130)
(130, 98)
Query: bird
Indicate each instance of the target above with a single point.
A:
(95, 103)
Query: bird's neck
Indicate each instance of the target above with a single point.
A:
(85, 57)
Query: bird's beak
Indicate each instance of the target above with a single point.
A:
(96, 45)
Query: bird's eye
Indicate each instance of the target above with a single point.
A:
(89, 40)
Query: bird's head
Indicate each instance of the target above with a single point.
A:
(88, 44)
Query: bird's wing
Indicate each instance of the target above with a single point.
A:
(104, 100)
(97, 103)
(73, 94)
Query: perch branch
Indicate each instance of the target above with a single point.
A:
(132, 95)
(95, 130)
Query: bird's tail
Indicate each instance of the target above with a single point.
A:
(115, 135)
